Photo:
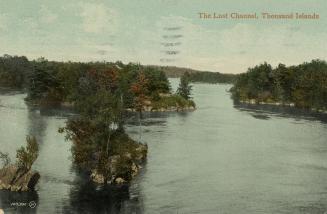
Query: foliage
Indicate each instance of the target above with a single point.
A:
(172, 101)
(44, 84)
(14, 71)
(304, 85)
(27, 156)
(184, 89)
(100, 111)
(211, 77)
(4, 157)
(90, 149)
(140, 90)
(97, 133)
(195, 75)
(52, 83)
(157, 81)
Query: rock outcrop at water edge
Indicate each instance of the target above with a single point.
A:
(15, 179)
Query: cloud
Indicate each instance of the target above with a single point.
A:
(102, 52)
(274, 43)
(234, 48)
(239, 36)
(3, 22)
(97, 18)
(47, 16)
(30, 23)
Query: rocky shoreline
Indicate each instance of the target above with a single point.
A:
(14, 179)
(67, 105)
(123, 168)
(169, 109)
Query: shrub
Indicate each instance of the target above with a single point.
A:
(27, 156)
(4, 157)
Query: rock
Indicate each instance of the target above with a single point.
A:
(149, 108)
(253, 101)
(128, 155)
(119, 181)
(147, 102)
(67, 104)
(14, 179)
(113, 162)
(164, 94)
(141, 152)
(135, 169)
(131, 165)
(96, 177)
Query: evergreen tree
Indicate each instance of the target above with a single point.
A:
(184, 89)
(304, 84)
(27, 156)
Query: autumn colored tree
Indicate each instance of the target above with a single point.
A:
(139, 89)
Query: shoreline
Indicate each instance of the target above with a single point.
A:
(289, 104)
(169, 109)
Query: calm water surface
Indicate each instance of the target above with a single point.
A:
(221, 158)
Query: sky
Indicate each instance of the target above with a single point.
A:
(163, 32)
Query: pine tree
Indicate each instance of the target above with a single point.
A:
(184, 88)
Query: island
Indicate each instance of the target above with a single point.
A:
(302, 86)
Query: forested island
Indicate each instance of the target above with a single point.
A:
(101, 94)
(302, 86)
(51, 83)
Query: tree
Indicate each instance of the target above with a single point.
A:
(211, 77)
(44, 84)
(157, 82)
(185, 88)
(304, 84)
(4, 157)
(14, 71)
(27, 156)
(100, 108)
(139, 89)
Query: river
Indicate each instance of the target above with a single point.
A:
(221, 158)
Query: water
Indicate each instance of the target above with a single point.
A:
(222, 158)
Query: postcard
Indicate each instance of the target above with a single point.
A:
(163, 106)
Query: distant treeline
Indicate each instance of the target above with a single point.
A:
(173, 71)
(212, 77)
(14, 71)
(197, 76)
(304, 85)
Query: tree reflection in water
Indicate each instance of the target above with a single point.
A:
(19, 202)
(266, 111)
(88, 197)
